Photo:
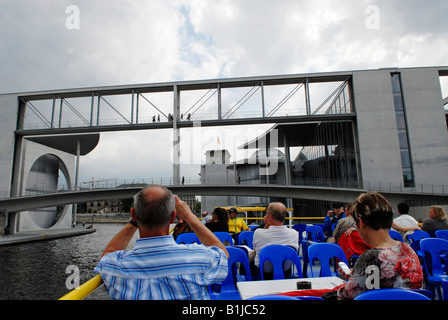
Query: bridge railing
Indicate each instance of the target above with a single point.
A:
(231, 180)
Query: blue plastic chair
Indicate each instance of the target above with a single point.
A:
(315, 233)
(414, 241)
(417, 235)
(306, 261)
(272, 297)
(224, 237)
(227, 289)
(432, 248)
(395, 235)
(300, 228)
(247, 238)
(391, 294)
(424, 292)
(277, 255)
(324, 252)
(442, 234)
(187, 238)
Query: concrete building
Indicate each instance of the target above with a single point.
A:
(379, 129)
(104, 206)
(215, 171)
(398, 140)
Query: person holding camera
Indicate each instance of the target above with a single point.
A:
(332, 219)
(158, 268)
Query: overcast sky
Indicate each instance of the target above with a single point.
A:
(69, 44)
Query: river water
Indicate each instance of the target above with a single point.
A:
(37, 271)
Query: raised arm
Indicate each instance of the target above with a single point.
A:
(204, 234)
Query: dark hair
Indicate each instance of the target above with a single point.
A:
(154, 212)
(338, 205)
(403, 208)
(221, 214)
(374, 211)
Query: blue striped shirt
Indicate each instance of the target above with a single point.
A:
(160, 269)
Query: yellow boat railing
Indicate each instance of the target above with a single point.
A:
(84, 290)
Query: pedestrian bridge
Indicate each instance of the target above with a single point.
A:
(283, 191)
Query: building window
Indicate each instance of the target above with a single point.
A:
(406, 160)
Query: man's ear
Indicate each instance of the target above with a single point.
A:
(133, 214)
(173, 216)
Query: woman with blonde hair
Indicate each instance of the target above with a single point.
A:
(436, 221)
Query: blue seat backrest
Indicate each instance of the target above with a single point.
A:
(187, 238)
(277, 255)
(324, 252)
(432, 248)
(395, 235)
(236, 255)
(224, 237)
(315, 233)
(442, 234)
(247, 238)
(391, 294)
(417, 235)
(300, 228)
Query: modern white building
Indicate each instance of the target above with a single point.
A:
(396, 141)
(382, 129)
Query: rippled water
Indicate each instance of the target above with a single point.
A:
(37, 271)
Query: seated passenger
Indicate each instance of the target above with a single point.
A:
(331, 220)
(236, 225)
(158, 268)
(436, 220)
(404, 220)
(390, 263)
(275, 232)
(220, 221)
(343, 225)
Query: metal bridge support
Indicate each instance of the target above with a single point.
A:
(176, 138)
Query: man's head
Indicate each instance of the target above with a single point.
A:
(348, 207)
(154, 207)
(232, 213)
(338, 209)
(403, 208)
(275, 213)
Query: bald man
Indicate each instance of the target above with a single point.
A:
(275, 232)
(158, 268)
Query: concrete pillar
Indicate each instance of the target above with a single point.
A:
(289, 203)
(176, 137)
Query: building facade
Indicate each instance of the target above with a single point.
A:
(397, 140)
(379, 129)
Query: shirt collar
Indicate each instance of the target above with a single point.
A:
(278, 227)
(154, 242)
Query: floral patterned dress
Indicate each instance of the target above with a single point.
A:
(398, 266)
